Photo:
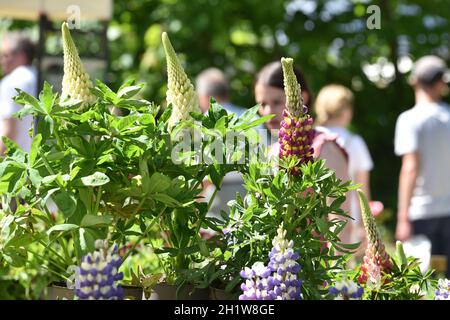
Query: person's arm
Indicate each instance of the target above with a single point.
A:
(407, 182)
(9, 129)
(336, 161)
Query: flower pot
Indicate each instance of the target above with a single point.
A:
(220, 294)
(59, 291)
(164, 291)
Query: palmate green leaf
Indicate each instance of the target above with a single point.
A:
(126, 122)
(221, 125)
(247, 116)
(29, 102)
(24, 111)
(34, 149)
(216, 111)
(91, 220)
(50, 123)
(13, 150)
(105, 92)
(35, 177)
(254, 123)
(95, 180)
(16, 181)
(16, 257)
(158, 182)
(166, 199)
(137, 104)
(127, 92)
(47, 98)
(147, 119)
(62, 227)
(66, 202)
(165, 116)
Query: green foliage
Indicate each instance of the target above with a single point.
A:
(404, 282)
(254, 35)
(112, 177)
(304, 205)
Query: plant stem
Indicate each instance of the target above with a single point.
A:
(77, 247)
(211, 200)
(54, 251)
(141, 237)
(42, 259)
(97, 200)
(58, 139)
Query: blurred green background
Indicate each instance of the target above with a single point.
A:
(329, 40)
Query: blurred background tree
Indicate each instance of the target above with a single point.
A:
(329, 40)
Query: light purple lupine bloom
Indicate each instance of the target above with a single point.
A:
(443, 290)
(98, 275)
(284, 281)
(346, 290)
(256, 285)
(277, 281)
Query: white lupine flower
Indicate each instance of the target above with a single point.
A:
(180, 91)
(346, 290)
(443, 290)
(76, 83)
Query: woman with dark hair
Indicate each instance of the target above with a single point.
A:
(269, 94)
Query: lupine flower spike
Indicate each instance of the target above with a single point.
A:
(346, 290)
(97, 276)
(180, 91)
(255, 286)
(76, 83)
(296, 133)
(443, 290)
(376, 259)
(283, 264)
(279, 280)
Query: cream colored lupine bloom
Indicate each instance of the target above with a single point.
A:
(180, 91)
(294, 100)
(76, 83)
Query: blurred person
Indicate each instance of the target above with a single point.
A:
(422, 139)
(334, 109)
(212, 82)
(16, 57)
(269, 94)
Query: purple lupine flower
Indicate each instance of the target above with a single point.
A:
(285, 269)
(97, 276)
(443, 290)
(256, 286)
(346, 290)
(296, 132)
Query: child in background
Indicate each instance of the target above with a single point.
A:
(334, 110)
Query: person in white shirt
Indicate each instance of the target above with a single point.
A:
(422, 139)
(16, 56)
(334, 108)
(212, 82)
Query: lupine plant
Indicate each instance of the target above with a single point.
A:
(443, 290)
(112, 176)
(296, 133)
(382, 276)
(346, 289)
(302, 195)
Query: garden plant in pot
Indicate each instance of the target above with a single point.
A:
(299, 204)
(202, 150)
(111, 178)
